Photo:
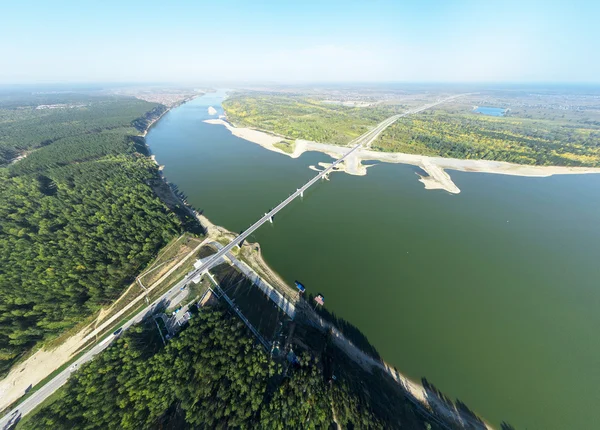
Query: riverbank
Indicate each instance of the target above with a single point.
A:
(424, 400)
(368, 243)
(43, 361)
(168, 109)
(436, 177)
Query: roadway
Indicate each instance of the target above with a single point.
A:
(363, 140)
(44, 392)
(170, 297)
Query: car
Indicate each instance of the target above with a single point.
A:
(14, 419)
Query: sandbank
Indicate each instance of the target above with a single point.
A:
(435, 167)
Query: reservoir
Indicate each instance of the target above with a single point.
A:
(492, 111)
(492, 294)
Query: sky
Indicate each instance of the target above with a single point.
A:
(287, 41)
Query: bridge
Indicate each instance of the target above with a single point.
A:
(362, 141)
(45, 391)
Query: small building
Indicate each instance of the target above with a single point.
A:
(320, 300)
(300, 287)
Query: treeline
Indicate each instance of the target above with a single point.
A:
(214, 375)
(145, 120)
(299, 117)
(435, 133)
(70, 238)
(78, 148)
(79, 217)
(25, 127)
(470, 136)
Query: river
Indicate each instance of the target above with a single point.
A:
(492, 294)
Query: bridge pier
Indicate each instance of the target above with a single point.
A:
(270, 219)
(301, 193)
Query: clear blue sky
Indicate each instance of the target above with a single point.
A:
(289, 41)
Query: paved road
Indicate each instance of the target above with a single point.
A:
(365, 140)
(170, 297)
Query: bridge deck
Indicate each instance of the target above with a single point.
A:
(364, 140)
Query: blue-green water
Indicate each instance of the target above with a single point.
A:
(491, 294)
(492, 111)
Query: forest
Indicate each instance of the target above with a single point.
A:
(214, 375)
(78, 216)
(475, 136)
(26, 126)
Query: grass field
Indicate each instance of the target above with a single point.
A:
(546, 134)
(303, 118)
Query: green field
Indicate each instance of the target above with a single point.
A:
(537, 136)
(299, 117)
(474, 136)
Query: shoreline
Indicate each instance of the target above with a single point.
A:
(45, 361)
(414, 391)
(436, 177)
(167, 110)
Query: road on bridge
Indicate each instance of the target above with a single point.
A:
(44, 392)
(364, 140)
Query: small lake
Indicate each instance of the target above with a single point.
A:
(492, 111)
(493, 294)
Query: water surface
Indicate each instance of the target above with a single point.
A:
(491, 294)
(492, 111)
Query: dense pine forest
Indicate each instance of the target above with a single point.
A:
(25, 126)
(214, 375)
(78, 216)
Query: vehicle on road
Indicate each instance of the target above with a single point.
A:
(118, 331)
(12, 422)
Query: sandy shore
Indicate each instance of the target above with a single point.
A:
(436, 177)
(262, 138)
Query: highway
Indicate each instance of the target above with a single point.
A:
(171, 296)
(363, 140)
(44, 392)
